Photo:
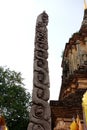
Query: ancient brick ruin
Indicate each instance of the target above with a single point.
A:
(74, 78)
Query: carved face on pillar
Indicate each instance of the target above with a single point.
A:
(43, 18)
(40, 93)
(40, 63)
(41, 77)
(39, 112)
(38, 127)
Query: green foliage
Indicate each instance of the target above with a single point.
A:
(14, 99)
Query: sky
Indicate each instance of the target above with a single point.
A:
(17, 35)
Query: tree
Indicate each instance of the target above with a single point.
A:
(14, 99)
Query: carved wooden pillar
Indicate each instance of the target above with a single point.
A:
(40, 111)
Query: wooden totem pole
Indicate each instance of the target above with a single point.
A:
(40, 111)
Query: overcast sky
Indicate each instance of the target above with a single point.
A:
(17, 34)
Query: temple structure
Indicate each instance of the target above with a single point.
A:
(74, 80)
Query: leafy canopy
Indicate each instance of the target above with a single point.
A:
(14, 99)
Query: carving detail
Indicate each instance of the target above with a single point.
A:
(40, 111)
